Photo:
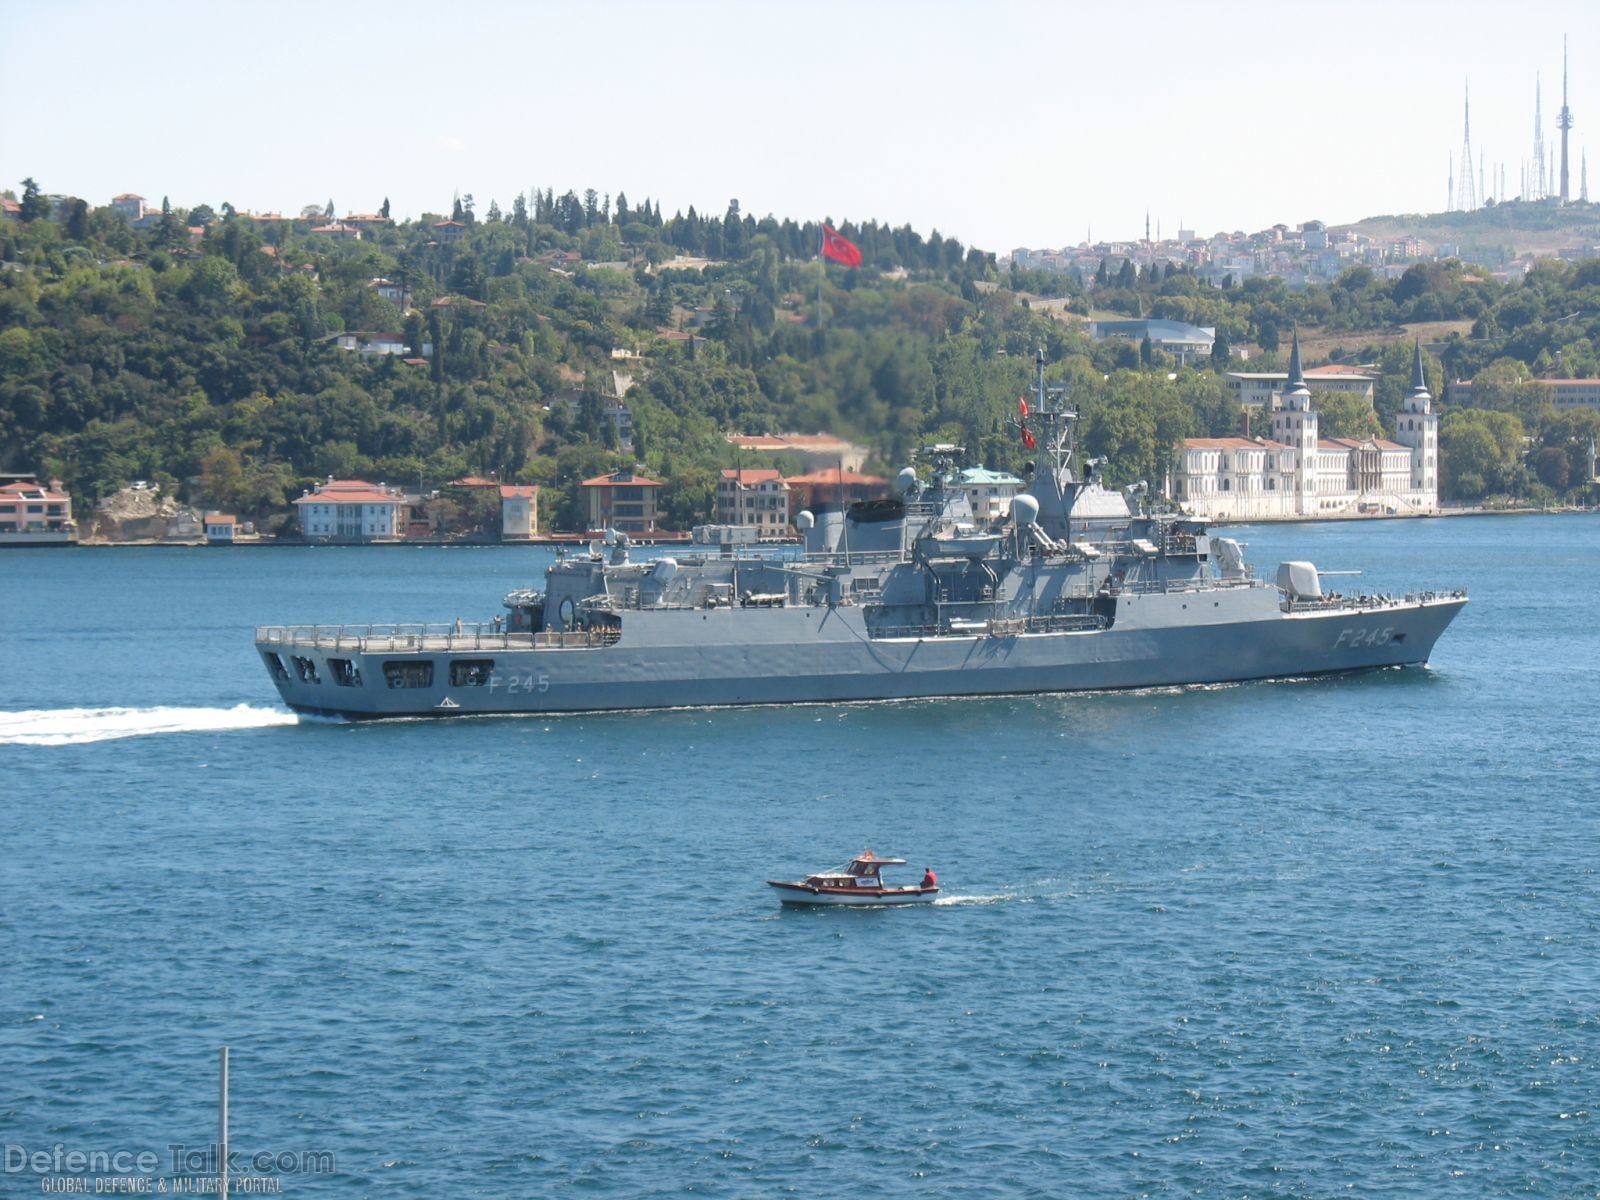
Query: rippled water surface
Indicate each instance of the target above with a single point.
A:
(1302, 938)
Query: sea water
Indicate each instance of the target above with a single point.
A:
(1308, 938)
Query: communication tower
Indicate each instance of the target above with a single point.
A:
(1564, 122)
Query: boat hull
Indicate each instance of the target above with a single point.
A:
(805, 655)
(799, 895)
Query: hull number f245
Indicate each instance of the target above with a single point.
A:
(1360, 639)
(515, 685)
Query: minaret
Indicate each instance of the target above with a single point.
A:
(1417, 426)
(1294, 424)
(1467, 191)
(1564, 121)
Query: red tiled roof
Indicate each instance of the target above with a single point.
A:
(473, 481)
(1338, 369)
(518, 491)
(349, 491)
(611, 480)
(835, 476)
(818, 440)
(221, 519)
(1232, 443)
(22, 490)
(747, 476)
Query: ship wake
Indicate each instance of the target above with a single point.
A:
(76, 726)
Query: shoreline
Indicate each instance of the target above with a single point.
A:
(555, 542)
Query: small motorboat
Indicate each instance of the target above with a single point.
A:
(859, 884)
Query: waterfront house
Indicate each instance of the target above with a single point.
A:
(222, 529)
(351, 510)
(35, 514)
(753, 497)
(989, 492)
(624, 501)
(519, 512)
(835, 486)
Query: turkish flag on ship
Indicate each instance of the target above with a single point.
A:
(1027, 434)
(839, 248)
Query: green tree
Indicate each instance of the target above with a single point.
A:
(1346, 416)
(33, 205)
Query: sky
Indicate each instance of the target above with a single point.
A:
(1003, 124)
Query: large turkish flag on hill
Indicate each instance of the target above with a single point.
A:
(839, 248)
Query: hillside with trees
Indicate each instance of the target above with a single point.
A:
(212, 351)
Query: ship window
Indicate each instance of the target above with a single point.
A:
(470, 672)
(306, 669)
(408, 673)
(345, 672)
(275, 665)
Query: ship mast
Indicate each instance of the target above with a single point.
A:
(1055, 485)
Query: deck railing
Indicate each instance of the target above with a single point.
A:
(481, 635)
(1376, 601)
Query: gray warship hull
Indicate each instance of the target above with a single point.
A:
(890, 600)
(719, 657)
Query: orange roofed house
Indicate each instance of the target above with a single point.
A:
(36, 514)
(834, 486)
(623, 501)
(351, 510)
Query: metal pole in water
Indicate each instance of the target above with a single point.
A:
(222, 1126)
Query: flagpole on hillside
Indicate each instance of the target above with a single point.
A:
(822, 275)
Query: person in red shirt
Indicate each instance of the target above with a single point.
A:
(929, 879)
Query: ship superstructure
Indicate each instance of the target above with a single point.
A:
(1076, 589)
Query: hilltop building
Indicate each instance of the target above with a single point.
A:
(1186, 343)
(814, 450)
(1565, 394)
(1298, 473)
(1255, 389)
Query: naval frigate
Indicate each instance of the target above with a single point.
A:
(1079, 588)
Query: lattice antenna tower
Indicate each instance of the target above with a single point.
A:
(1564, 122)
(1539, 183)
(1467, 194)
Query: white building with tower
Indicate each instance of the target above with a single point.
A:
(1298, 473)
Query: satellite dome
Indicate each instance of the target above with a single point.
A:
(1025, 511)
(906, 481)
(803, 520)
